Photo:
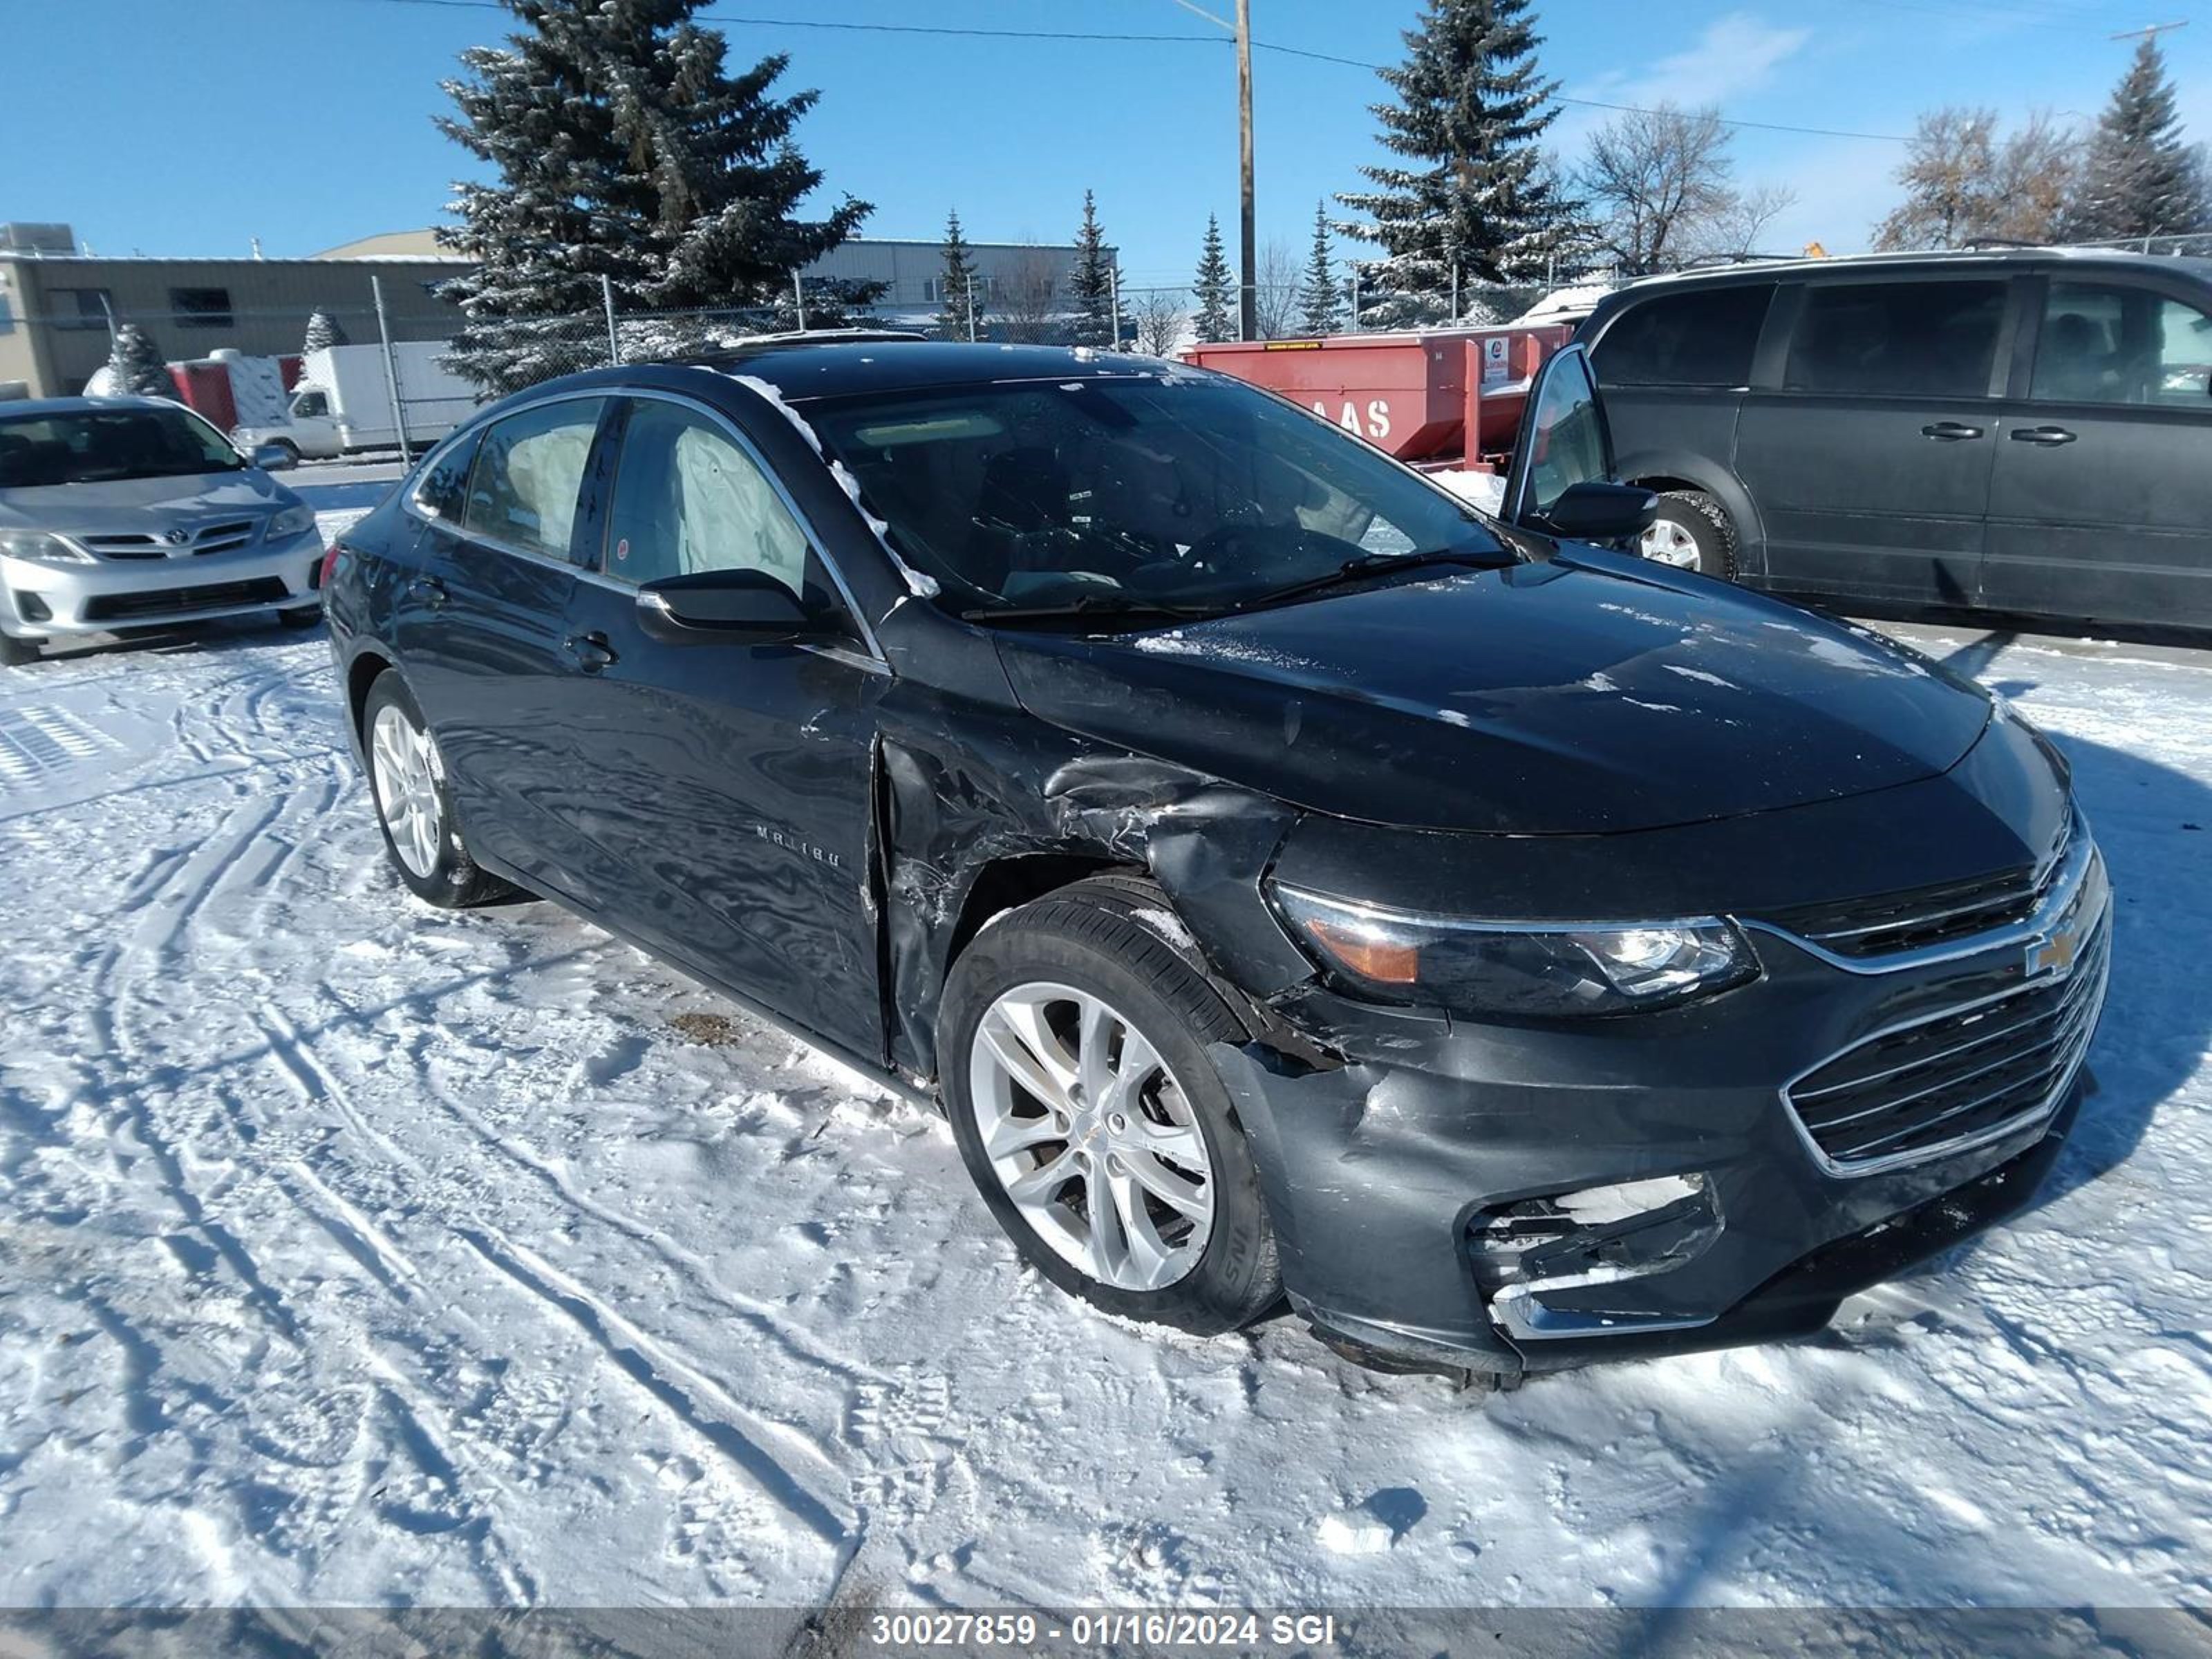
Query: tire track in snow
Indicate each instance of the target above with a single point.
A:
(678, 1388)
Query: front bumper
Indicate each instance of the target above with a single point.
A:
(47, 601)
(1525, 1197)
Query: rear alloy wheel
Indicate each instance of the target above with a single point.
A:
(413, 806)
(1073, 1042)
(1692, 532)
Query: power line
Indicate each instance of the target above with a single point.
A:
(1088, 35)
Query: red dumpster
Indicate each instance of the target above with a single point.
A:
(1416, 394)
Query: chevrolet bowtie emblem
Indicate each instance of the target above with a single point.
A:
(2054, 955)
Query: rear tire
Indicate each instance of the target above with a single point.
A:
(1111, 1099)
(1692, 532)
(415, 805)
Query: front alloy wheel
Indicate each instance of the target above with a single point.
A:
(1091, 1137)
(1077, 1039)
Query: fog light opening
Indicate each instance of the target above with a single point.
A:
(1615, 1234)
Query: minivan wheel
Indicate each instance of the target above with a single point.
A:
(413, 806)
(1692, 532)
(1072, 1049)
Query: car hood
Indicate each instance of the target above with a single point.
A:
(1576, 696)
(143, 505)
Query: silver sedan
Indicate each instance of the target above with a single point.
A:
(124, 512)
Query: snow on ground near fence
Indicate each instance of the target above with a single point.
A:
(351, 1251)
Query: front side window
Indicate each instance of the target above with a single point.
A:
(528, 480)
(1143, 489)
(688, 500)
(1563, 435)
(1897, 339)
(104, 444)
(2101, 345)
(308, 405)
(1700, 337)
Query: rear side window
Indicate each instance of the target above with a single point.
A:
(1898, 339)
(443, 490)
(528, 480)
(1704, 337)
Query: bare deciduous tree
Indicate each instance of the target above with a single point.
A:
(1963, 183)
(1655, 179)
(1023, 304)
(1162, 320)
(1276, 303)
(1735, 231)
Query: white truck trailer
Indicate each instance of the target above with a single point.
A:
(343, 401)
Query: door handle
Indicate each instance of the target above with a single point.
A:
(429, 591)
(2050, 436)
(1950, 432)
(591, 651)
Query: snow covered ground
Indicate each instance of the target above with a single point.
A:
(352, 1252)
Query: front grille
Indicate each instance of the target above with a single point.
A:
(226, 536)
(1920, 917)
(1958, 1077)
(167, 601)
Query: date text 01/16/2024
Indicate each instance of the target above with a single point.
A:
(1161, 1629)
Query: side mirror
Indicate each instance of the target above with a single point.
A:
(1600, 512)
(748, 607)
(273, 458)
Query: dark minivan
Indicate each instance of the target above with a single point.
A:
(1286, 880)
(2026, 432)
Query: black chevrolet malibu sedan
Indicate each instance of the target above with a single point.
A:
(1288, 881)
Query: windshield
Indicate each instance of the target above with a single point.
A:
(1163, 492)
(99, 445)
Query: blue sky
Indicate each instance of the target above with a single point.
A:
(192, 128)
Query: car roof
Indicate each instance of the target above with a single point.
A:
(1993, 259)
(801, 370)
(79, 405)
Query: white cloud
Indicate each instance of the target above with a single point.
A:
(1737, 54)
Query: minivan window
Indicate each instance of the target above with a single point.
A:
(1927, 339)
(1701, 336)
(529, 477)
(687, 500)
(2100, 344)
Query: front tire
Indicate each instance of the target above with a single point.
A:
(1692, 532)
(1072, 1049)
(301, 616)
(415, 805)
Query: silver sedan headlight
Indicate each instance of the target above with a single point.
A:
(1515, 968)
(290, 522)
(41, 547)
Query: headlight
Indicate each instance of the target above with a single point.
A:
(41, 547)
(1517, 967)
(290, 522)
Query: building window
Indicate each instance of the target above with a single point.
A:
(77, 308)
(200, 307)
(929, 290)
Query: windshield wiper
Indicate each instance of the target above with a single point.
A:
(1380, 564)
(1090, 604)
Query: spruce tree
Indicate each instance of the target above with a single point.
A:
(831, 302)
(1318, 292)
(2141, 178)
(1215, 289)
(622, 148)
(323, 330)
(959, 290)
(1091, 284)
(135, 368)
(1472, 193)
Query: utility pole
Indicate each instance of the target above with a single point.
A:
(1248, 293)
